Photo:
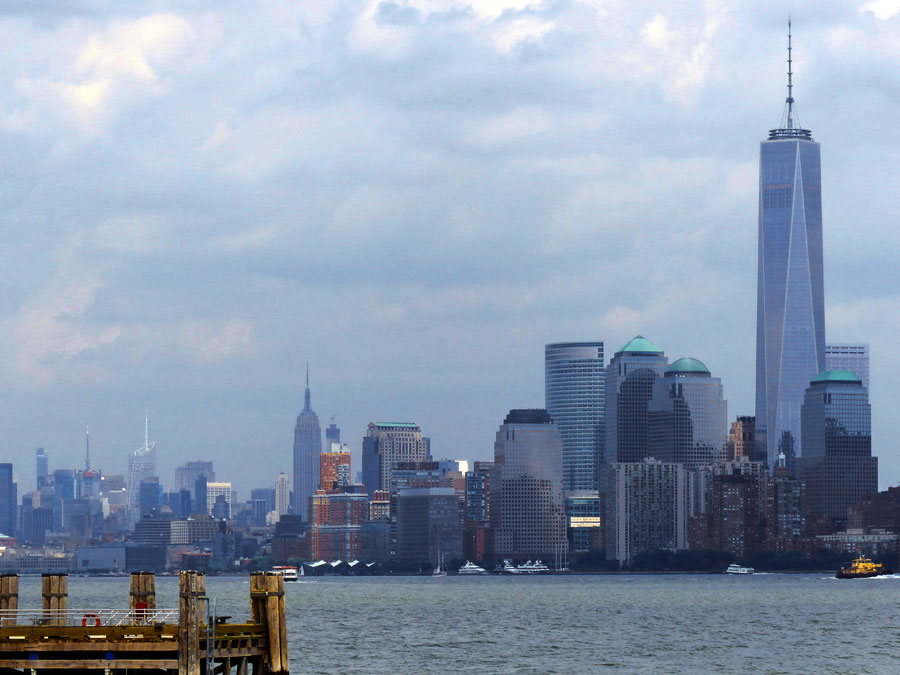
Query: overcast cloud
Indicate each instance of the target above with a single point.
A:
(415, 196)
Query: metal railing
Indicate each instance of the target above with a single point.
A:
(87, 617)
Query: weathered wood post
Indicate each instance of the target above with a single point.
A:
(191, 591)
(267, 608)
(9, 598)
(55, 598)
(258, 608)
(282, 626)
(142, 597)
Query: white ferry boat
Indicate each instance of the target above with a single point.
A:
(734, 568)
(289, 572)
(471, 568)
(536, 567)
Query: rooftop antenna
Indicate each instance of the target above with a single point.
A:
(790, 74)
(146, 428)
(306, 399)
(87, 448)
(790, 123)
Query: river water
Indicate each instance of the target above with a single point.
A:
(765, 623)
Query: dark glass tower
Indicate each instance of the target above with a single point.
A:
(837, 464)
(629, 387)
(790, 324)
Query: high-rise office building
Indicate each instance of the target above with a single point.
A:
(335, 520)
(42, 468)
(574, 392)
(742, 438)
(268, 495)
(307, 448)
(282, 494)
(149, 497)
(8, 500)
(216, 490)
(849, 356)
(429, 525)
(334, 473)
(187, 474)
(647, 508)
(837, 464)
(687, 416)
(527, 510)
(386, 444)
(478, 502)
(629, 388)
(332, 434)
(141, 465)
(790, 323)
(785, 510)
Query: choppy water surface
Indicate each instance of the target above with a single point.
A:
(641, 623)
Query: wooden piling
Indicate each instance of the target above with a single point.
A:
(9, 598)
(54, 598)
(142, 596)
(267, 608)
(282, 626)
(272, 623)
(191, 591)
(257, 597)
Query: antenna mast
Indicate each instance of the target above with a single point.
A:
(790, 74)
(790, 125)
(87, 447)
(146, 428)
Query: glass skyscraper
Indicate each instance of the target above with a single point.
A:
(837, 464)
(574, 394)
(790, 327)
(629, 388)
(687, 416)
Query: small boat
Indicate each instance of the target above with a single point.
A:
(289, 572)
(536, 567)
(734, 568)
(862, 568)
(471, 568)
(439, 571)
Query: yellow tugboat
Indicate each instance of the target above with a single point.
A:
(862, 568)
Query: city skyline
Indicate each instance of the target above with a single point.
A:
(615, 162)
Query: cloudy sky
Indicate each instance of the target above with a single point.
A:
(198, 197)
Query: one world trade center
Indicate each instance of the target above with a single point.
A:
(790, 323)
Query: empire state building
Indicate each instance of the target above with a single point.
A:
(790, 324)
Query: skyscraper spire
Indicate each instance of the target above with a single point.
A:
(306, 398)
(146, 428)
(790, 123)
(790, 74)
(87, 447)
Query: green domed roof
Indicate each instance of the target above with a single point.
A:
(640, 344)
(836, 376)
(688, 365)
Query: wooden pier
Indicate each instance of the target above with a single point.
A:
(188, 641)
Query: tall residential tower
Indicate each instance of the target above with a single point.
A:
(790, 323)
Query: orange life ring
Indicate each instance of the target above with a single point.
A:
(90, 615)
